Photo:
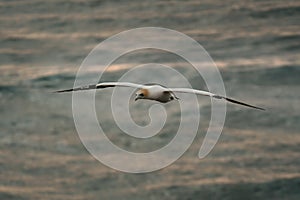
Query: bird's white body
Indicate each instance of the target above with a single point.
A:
(154, 92)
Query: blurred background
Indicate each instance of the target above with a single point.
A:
(255, 45)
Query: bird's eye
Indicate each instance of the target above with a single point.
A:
(141, 94)
(171, 98)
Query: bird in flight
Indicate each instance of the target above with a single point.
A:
(156, 92)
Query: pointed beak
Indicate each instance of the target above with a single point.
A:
(138, 96)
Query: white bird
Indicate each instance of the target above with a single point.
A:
(156, 92)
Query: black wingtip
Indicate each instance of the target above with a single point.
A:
(61, 91)
(244, 104)
(87, 87)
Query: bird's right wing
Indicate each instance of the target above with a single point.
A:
(104, 85)
(205, 93)
(192, 91)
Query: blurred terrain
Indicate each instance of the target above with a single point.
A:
(256, 46)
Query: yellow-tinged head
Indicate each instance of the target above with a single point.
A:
(141, 94)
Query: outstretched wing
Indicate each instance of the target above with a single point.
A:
(102, 86)
(205, 93)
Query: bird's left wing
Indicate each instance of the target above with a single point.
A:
(205, 93)
(103, 85)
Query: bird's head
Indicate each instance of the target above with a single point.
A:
(141, 94)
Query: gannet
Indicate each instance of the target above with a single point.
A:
(156, 92)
